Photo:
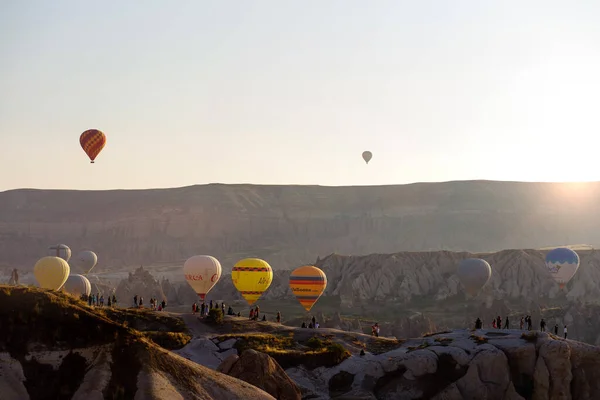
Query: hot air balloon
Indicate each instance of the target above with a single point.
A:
(77, 285)
(367, 155)
(251, 277)
(51, 272)
(202, 273)
(562, 264)
(86, 260)
(92, 142)
(308, 284)
(474, 273)
(60, 250)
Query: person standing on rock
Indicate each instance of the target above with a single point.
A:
(202, 309)
(565, 331)
(314, 320)
(278, 317)
(135, 301)
(556, 329)
(543, 325)
(210, 305)
(506, 324)
(478, 323)
(494, 323)
(499, 322)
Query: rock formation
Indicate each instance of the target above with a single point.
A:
(52, 346)
(262, 371)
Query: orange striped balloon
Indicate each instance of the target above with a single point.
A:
(308, 284)
(92, 142)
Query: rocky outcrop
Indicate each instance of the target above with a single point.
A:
(63, 349)
(293, 224)
(262, 371)
(140, 283)
(500, 365)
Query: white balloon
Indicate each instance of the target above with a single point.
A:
(202, 273)
(60, 250)
(474, 273)
(87, 260)
(77, 285)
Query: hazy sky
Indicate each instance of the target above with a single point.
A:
(292, 92)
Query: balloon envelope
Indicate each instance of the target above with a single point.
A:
(87, 260)
(51, 272)
(77, 285)
(252, 277)
(367, 155)
(562, 263)
(60, 250)
(92, 142)
(202, 273)
(308, 284)
(474, 273)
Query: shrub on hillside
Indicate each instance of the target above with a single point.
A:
(315, 343)
(215, 316)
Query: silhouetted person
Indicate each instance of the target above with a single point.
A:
(543, 325)
(478, 323)
(565, 331)
(506, 324)
(556, 329)
(278, 317)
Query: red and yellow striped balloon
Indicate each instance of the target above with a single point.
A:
(308, 284)
(92, 142)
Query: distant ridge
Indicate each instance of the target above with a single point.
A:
(289, 224)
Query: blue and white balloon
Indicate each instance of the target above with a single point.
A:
(562, 263)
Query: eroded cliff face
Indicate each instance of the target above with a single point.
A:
(463, 365)
(291, 225)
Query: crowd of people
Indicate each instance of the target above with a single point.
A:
(138, 302)
(524, 324)
(97, 300)
(204, 308)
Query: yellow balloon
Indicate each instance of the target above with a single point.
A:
(51, 272)
(252, 277)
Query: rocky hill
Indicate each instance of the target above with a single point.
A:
(494, 364)
(290, 225)
(55, 347)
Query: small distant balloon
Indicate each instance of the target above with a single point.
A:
(202, 273)
(60, 250)
(92, 142)
(474, 273)
(367, 155)
(562, 263)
